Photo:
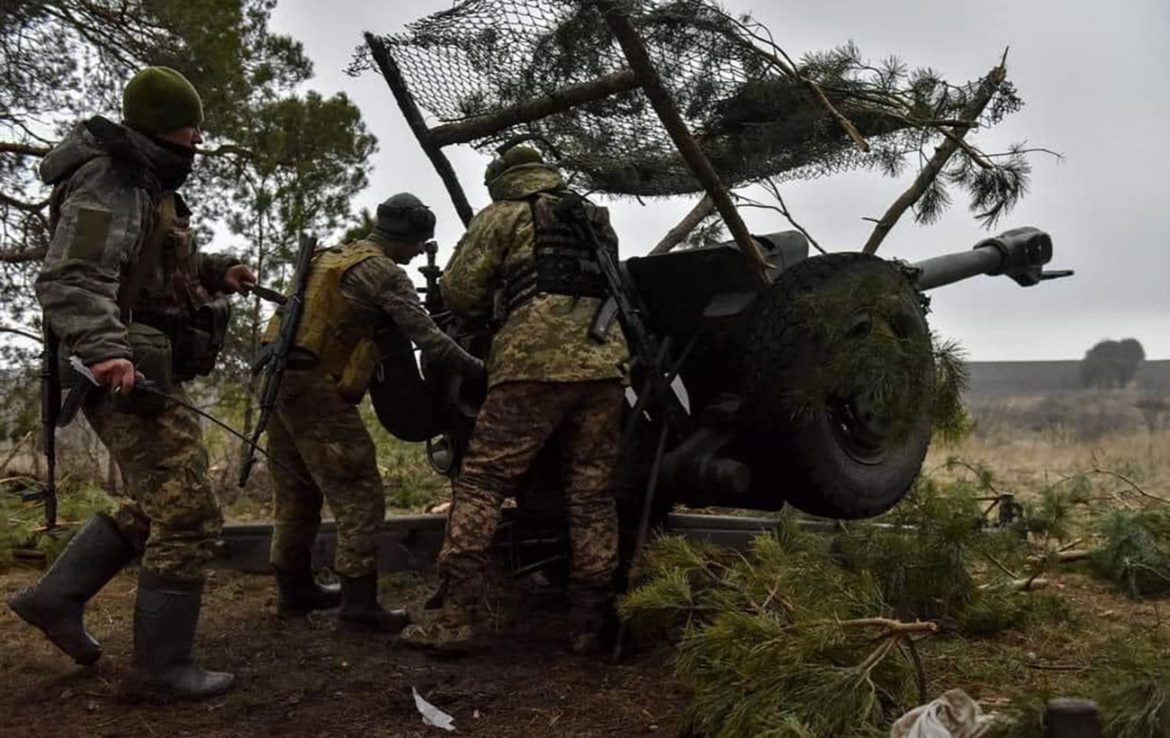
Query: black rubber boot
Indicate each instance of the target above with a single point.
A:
(300, 594)
(165, 616)
(56, 603)
(359, 606)
(591, 617)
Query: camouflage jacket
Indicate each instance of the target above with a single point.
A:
(377, 289)
(109, 182)
(546, 338)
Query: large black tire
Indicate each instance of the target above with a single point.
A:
(839, 378)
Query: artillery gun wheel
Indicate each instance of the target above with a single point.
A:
(839, 381)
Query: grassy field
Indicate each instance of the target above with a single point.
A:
(1074, 464)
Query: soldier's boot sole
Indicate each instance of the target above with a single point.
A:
(182, 683)
(56, 603)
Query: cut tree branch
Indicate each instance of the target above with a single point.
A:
(22, 256)
(774, 190)
(31, 207)
(23, 149)
(557, 101)
(690, 221)
(639, 58)
(938, 161)
(22, 333)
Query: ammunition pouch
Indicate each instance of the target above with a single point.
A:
(562, 263)
(195, 342)
(152, 355)
(199, 341)
(359, 370)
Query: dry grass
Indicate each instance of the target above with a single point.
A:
(1032, 444)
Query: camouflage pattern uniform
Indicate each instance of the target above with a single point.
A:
(110, 179)
(124, 289)
(316, 429)
(545, 376)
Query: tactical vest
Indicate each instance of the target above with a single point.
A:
(179, 308)
(341, 343)
(562, 264)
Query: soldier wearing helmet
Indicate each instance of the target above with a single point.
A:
(546, 377)
(315, 430)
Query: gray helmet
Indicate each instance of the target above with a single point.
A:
(404, 217)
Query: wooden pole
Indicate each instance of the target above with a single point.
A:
(690, 221)
(529, 110)
(418, 126)
(639, 59)
(935, 164)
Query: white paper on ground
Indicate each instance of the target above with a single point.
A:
(432, 715)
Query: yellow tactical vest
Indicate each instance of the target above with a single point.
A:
(329, 330)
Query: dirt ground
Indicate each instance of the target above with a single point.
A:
(311, 678)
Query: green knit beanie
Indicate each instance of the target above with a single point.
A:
(158, 100)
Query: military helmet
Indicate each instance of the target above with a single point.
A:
(404, 217)
(513, 157)
(160, 99)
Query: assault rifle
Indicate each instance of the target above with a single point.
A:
(272, 357)
(50, 409)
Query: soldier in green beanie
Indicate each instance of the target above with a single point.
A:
(125, 290)
(159, 100)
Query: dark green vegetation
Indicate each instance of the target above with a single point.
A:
(837, 635)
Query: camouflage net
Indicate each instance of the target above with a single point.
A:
(752, 115)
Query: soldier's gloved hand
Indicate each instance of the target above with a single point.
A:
(239, 278)
(117, 374)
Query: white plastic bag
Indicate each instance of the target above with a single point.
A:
(954, 715)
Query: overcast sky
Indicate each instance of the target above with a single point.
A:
(1096, 80)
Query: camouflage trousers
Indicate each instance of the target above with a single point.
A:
(320, 436)
(170, 512)
(516, 420)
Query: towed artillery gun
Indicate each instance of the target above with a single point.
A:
(761, 376)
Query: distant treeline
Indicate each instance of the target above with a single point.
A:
(997, 379)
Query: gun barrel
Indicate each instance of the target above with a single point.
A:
(943, 270)
(1020, 253)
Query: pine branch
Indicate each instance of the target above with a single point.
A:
(1132, 484)
(892, 627)
(788, 67)
(942, 155)
(910, 651)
